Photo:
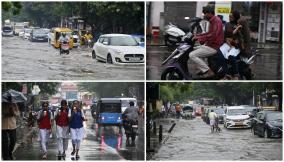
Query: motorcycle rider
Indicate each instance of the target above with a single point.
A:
(88, 37)
(63, 38)
(129, 115)
(212, 40)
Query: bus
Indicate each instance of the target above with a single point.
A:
(109, 112)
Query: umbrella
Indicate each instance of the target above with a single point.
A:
(13, 96)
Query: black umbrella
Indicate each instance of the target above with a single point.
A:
(13, 96)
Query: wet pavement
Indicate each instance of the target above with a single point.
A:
(25, 60)
(193, 140)
(268, 64)
(106, 143)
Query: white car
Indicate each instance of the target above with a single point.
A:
(237, 117)
(27, 33)
(7, 31)
(118, 49)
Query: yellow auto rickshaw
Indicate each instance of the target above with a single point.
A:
(57, 32)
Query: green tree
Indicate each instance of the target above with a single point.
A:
(49, 88)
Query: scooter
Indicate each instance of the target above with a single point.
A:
(173, 35)
(177, 65)
(64, 47)
(131, 130)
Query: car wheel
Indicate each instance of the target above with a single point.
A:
(94, 54)
(267, 134)
(109, 59)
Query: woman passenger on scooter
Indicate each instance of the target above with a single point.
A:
(237, 40)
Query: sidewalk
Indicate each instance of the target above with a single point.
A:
(154, 142)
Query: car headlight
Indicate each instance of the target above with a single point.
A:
(117, 52)
(270, 125)
(228, 120)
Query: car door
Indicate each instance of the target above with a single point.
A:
(98, 47)
(105, 47)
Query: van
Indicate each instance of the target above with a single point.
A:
(109, 112)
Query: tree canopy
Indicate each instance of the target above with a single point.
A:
(230, 93)
(104, 17)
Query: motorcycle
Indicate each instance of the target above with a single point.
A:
(173, 35)
(131, 130)
(64, 47)
(177, 65)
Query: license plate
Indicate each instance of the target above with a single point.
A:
(238, 123)
(134, 126)
(134, 59)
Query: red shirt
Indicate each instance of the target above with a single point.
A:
(62, 119)
(45, 122)
(214, 38)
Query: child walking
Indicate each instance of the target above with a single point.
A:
(62, 129)
(76, 118)
(45, 121)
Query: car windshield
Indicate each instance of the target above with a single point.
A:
(110, 108)
(7, 28)
(274, 116)
(39, 31)
(123, 41)
(187, 108)
(236, 112)
(219, 111)
(139, 39)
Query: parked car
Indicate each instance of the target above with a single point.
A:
(206, 113)
(236, 117)
(27, 33)
(187, 111)
(7, 31)
(22, 33)
(198, 110)
(118, 49)
(268, 124)
(252, 110)
(220, 113)
(38, 35)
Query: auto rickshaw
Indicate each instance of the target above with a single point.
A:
(56, 35)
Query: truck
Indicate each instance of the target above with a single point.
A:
(19, 26)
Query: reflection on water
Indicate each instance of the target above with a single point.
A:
(109, 136)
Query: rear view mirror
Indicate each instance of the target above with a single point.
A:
(105, 43)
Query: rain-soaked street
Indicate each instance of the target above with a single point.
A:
(25, 60)
(193, 140)
(107, 143)
(268, 64)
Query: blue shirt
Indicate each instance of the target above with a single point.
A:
(77, 120)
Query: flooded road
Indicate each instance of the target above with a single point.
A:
(106, 143)
(25, 60)
(193, 140)
(268, 64)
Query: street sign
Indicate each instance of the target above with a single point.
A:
(226, 10)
